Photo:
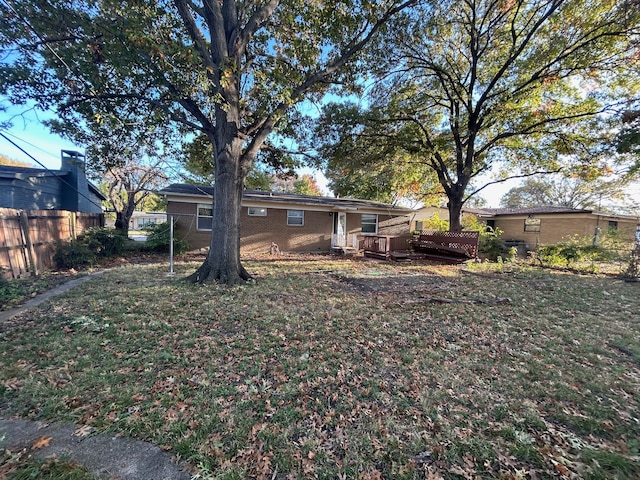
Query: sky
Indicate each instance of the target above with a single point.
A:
(33, 137)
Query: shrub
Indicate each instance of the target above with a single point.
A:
(575, 250)
(436, 223)
(103, 242)
(158, 239)
(492, 247)
(9, 290)
(73, 254)
(94, 243)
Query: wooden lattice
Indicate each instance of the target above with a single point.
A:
(465, 242)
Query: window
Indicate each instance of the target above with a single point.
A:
(205, 217)
(369, 223)
(257, 212)
(532, 225)
(490, 226)
(295, 218)
(613, 225)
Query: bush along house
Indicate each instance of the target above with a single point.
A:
(294, 222)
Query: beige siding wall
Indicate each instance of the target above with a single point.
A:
(556, 228)
(396, 226)
(257, 233)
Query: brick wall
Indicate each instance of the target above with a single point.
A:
(257, 233)
(186, 227)
(556, 228)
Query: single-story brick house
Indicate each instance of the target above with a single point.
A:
(296, 223)
(543, 225)
(26, 188)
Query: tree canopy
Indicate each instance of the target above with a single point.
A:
(364, 155)
(473, 86)
(230, 70)
(562, 191)
(11, 162)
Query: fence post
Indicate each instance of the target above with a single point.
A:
(24, 226)
(73, 220)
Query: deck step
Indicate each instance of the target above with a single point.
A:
(347, 251)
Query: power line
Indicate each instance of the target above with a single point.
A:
(60, 177)
(46, 152)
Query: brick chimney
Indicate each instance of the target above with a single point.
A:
(75, 190)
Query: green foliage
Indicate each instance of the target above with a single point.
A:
(492, 247)
(578, 250)
(103, 241)
(632, 272)
(360, 160)
(628, 139)
(434, 222)
(74, 254)
(159, 239)
(306, 185)
(94, 243)
(9, 290)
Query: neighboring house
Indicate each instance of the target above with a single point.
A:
(543, 225)
(421, 217)
(24, 188)
(139, 220)
(296, 223)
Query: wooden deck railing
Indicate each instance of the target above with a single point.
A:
(382, 246)
(451, 247)
(463, 245)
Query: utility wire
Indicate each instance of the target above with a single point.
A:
(9, 4)
(60, 177)
(22, 140)
(24, 20)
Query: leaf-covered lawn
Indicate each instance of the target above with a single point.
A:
(335, 368)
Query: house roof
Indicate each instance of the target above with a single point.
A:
(543, 210)
(183, 189)
(8, 171)
(530, 210)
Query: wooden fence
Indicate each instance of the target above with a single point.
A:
(28, 238)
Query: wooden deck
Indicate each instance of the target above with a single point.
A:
(446, 247)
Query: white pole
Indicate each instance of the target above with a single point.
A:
(171, 273)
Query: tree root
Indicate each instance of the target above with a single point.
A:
(206, 274)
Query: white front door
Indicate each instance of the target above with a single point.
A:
(340, 230)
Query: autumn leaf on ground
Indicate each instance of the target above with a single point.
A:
(83, 431)
(41, 442)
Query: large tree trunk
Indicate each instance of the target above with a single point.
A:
(223, 261)
(122, 223)
(454, 205)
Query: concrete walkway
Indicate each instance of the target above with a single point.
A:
(106, 455)
(43, 297)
